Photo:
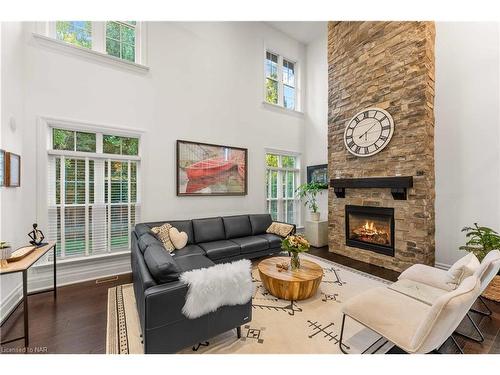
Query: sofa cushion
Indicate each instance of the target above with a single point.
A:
(281, 229)
(273, 240)
(143, 228)
(220, 249)
(160, 263)
(208, 230)
(188, 250)
(184, 226)
(260, 223)
(237, 226)
(251, 244)
(147, 239)
(193, 262)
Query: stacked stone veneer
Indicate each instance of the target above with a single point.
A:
(388, 65)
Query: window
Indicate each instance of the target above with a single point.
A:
(280, 85)
(120, 39)
(282, 179)
(75, 32)
(93, 196)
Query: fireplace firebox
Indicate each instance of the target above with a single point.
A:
(370, 228)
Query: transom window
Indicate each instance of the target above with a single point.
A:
(115, 38)
(282, 179)
(93, 191)
(280, 84)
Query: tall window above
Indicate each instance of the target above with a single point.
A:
(280, 81)
(120, 39)
(282, 178)
(75, 32)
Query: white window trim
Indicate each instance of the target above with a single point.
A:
(45, 35)
(280, 104)
(44, 144)
(279, 192)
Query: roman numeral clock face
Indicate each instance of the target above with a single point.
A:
(368, 132)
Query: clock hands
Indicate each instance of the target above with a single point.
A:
(366, 132)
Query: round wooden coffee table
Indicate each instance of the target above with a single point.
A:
(290, 285)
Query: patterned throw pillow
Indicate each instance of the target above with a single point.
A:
(281, 229)
(163, 234)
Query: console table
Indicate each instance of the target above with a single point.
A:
(23, 266)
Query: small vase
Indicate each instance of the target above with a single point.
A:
(295, 261)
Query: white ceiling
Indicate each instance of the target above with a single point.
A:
(303, 31)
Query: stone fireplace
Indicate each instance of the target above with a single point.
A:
(381, 207)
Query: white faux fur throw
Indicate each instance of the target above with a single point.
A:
(224, 284)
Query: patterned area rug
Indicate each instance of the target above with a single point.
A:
(311, 326)
(492, 292)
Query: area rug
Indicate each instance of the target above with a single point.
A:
(492, 292)
(310, 326)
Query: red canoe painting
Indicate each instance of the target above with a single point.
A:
(208, 168)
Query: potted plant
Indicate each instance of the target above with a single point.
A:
(480, 240)
(295, 244)
(308, 191)
(5, 253)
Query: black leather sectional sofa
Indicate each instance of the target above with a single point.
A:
(160, 295)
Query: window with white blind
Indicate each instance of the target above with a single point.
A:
(282, 179)
(93, 198)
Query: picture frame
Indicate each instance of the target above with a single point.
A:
(2, 167)
(319, 174)
(12, 175)
(206, 169)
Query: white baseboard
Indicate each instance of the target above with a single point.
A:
(41, 277)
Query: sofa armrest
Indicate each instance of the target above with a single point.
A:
(164, 303)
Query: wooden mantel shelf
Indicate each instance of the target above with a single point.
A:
(398, 185)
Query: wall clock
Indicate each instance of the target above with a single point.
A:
(368, 132)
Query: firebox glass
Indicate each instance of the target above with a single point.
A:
(370, 228)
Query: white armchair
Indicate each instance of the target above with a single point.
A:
(412, 325)
(438, 279)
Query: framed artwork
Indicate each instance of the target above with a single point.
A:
(12, 174)
(2, 168)
(318, 174)
(205, 169)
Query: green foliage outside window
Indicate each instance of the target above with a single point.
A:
(271, 91)
(120, 39)
(271, 160)
(75, 32)
(73, 141)
(113, 144)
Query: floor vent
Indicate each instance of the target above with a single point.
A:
(106, 280)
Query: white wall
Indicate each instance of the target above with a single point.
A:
(467, 132)
(316, 127)
(205, 84)
(13, 219)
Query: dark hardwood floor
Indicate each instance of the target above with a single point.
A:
(76, 322)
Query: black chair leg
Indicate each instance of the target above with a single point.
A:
(456, 344)
(481, 337)
(488, 311)
(238, 332)
(342, 335)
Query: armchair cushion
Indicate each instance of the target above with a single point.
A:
(378, 308)
(461, 269)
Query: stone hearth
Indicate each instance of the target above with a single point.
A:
(388, 65)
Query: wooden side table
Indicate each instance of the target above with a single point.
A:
(290, 285)
(23, 266)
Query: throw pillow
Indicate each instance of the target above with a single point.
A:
(281, 229)
(178, 239)
(163, 234)
(461, 269)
